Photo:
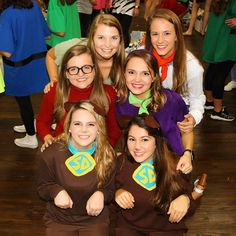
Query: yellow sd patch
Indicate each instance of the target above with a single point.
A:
(145, 176)
(80, 163)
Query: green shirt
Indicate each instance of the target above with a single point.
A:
(63, 18)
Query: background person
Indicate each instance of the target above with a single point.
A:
(220, 53)
(24, 59)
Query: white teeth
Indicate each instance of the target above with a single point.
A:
(161, 47)
(138, 154)
(81, 80)
(138, 86)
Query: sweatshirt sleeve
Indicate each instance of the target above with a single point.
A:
(47, 187)
(109, 189)
(45, 116)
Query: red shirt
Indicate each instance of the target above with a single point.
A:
(46, 117)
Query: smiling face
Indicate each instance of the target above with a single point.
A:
(81, 80)
(163, 37)
(140, 144)
(83, 129)
(138, 77)
(106, 41)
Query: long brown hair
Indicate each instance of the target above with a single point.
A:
(98, 94)
(119, 57)
(169, 182)
(104, 155)
(180, 71)
(158, 97)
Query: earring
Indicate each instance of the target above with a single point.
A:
(69, 131)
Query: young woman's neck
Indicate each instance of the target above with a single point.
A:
(105, 67)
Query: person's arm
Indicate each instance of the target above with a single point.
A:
(231, 22)
(93, 2)
(102, 196)
(185, 162)
(124, 199)
(184, 205)
(45, 116)
(206, 16)
(194, 97)
(178, 208)
(51, 65)
(136, 8)
(179, 111)
(60, 34)
(150, 6)
(47, 186)
(5, 54)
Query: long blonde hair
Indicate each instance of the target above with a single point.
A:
(104, 155)
(98, 94)
(119, 57)
(180, 68)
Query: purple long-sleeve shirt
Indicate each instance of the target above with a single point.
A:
(172, 112)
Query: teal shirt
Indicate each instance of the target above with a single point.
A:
(63, 18)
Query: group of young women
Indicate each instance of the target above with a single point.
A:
(97, 93)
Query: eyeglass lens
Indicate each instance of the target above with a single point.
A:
(74, 70)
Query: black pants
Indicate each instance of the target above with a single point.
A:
(94, 14)
(27, 113)
(125, 21)
(85, 21)
(215, 77)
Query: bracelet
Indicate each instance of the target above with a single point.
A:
(191, 152)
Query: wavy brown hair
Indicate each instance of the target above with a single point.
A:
(104, 155)
(169, 182)
(180, 71)
(158, 97)
(119, 57)
(98, 94)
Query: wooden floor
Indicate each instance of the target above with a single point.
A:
(21, 210)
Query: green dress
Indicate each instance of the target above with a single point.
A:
(219, 44)
(63, 18)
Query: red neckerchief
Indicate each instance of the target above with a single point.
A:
(163, 63)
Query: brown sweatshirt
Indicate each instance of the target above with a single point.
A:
(54, 176)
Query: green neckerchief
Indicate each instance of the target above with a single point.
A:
(143, 103)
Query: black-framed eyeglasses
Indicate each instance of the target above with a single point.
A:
(74, 70)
